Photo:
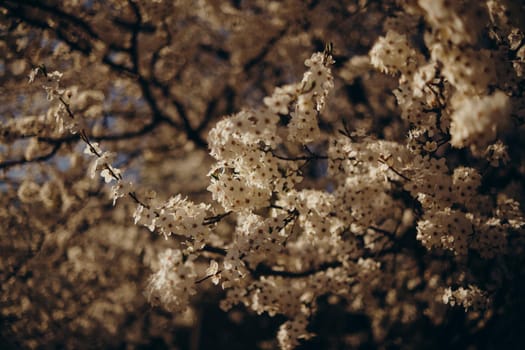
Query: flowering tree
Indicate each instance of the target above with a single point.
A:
(169, 157)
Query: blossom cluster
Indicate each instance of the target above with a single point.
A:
(174, 282)
(311, 212)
